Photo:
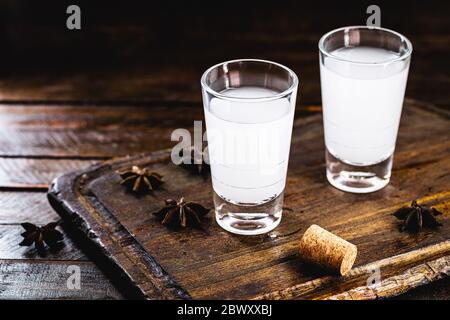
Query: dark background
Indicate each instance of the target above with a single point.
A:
(156, 51)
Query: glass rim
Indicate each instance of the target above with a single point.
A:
(404, 56)
(276, 96)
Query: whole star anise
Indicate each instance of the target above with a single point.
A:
(195, 162)
(181, 213)
(140, 180)
(416, 217)
(40, 235)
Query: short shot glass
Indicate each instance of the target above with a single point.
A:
(363, 74)
(249, 110)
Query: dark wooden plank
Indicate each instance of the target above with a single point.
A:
(9, 246)
(87, 132)
(248, 264)
(48, 280)
(105, 131)
(28, 173)
(23, 206)
(18, 207)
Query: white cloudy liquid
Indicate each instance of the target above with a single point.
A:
(362, 104)
(248, 144)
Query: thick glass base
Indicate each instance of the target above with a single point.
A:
(248, 219)
(358, 178)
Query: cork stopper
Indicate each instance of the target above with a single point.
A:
(322, 248)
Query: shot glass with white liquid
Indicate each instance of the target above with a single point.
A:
(249, 110)
(363, 73)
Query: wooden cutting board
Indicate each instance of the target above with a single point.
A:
(160, 263)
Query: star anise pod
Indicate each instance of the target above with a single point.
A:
(416, 217)
(140, 180)
(40, 235)
(181, 213)
(195, 162)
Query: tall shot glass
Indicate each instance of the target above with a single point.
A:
(249, 110)
(363, 73)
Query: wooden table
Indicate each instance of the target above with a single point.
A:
(63, 104)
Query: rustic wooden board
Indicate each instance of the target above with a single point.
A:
(212, 263)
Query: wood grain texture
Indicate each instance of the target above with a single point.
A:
(9, 246)
(28, 173)
(78, 132)
(90, 131)
(397, 274)
(437, 290)
(161, 262)
(25, 279)
(17, 207)
(410, 279)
